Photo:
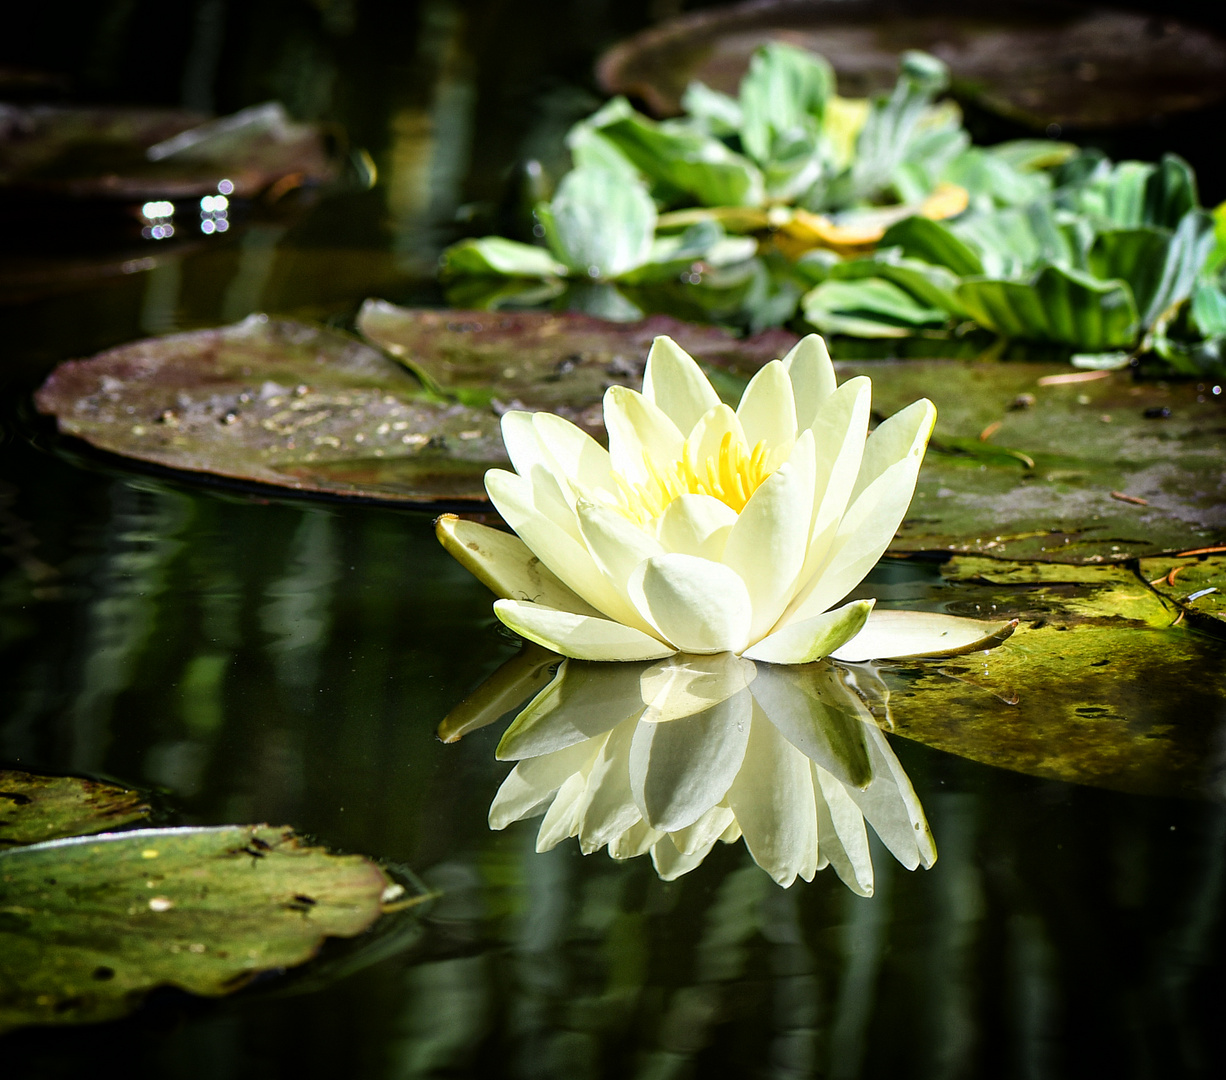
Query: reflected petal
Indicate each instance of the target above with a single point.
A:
(683, 685)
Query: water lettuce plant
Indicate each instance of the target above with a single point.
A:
(706, 530)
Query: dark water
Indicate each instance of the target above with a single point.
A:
(262, 659)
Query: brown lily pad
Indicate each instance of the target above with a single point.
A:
(560, 361)
(36, 808)
(134, 154)
(1071, 65)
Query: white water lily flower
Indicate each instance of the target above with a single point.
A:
(669, 758)
(703, 529)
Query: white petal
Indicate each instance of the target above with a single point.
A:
(574, 454)
(635, 841)
(705, 439)
(679, 770)
(696, 525)
(616, 543)
(812, 374)
(810, 639)
(698, 605)
(608, 808)
(817, 715)
(639, 433)
(684, 685)
(579, 636)
(891, 806)
(583, 701)
(768, 543)
(505, 565)
(843, 837)
(875, 513)
(523, 447)
(530, 783)
(768, 410)
(674, 382)
(670, 863)
(900, 438)
(701, 836)
(839, 433)
(561, 820)
(889, 635)
(551, 539)
(772, 799)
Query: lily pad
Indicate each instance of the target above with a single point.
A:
(283, 403)
(1071, 695)
(89, 925)
(560, 361)
(1121, 468)
(1075, 66)
(1196, 584)
(134, 154)
(37, 808)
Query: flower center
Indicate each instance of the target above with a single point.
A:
(731, 475)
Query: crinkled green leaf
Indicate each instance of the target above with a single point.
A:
(600, 223)
(89, 925)
(496, 256)
(1059, 305)
(867, 307)
(783, 95)
(933, 242)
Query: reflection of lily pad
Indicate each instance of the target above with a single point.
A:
(1121, 468)
(36, 808)
(1072, 695)
(561, 361)
(88, 925)
(279, 403)
(1076, 66)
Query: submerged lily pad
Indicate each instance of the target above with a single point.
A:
(1071, 695)
(1120, 468)
(89, 925)
(1075, 66)
(1197, 584)
(37, 808)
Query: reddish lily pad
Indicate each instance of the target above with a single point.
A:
(36, 808)
(1075, 66)
(560, 361)
(89, 925)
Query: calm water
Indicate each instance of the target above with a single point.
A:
(261, 659)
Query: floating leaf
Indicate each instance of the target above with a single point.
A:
(1089, 434)
(498, 256)
(89, 925)
(1070, 695)
(37, 808)
(600, 223)
(867, 307)
(1059, 305)
(1196, 584)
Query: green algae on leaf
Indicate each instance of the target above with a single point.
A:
(89, 925)
(1070, 696)
(36, 808)
(1197, 584)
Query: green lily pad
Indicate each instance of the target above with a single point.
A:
(89, 925)
(1121, 468)
(1070, 696)
(1197, 584)
(37, 808)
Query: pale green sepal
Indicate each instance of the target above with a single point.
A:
(812, 638)
(581, 637)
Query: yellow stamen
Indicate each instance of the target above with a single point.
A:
(730, 475)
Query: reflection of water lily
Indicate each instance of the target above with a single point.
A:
(703, 529)
(671, 757)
